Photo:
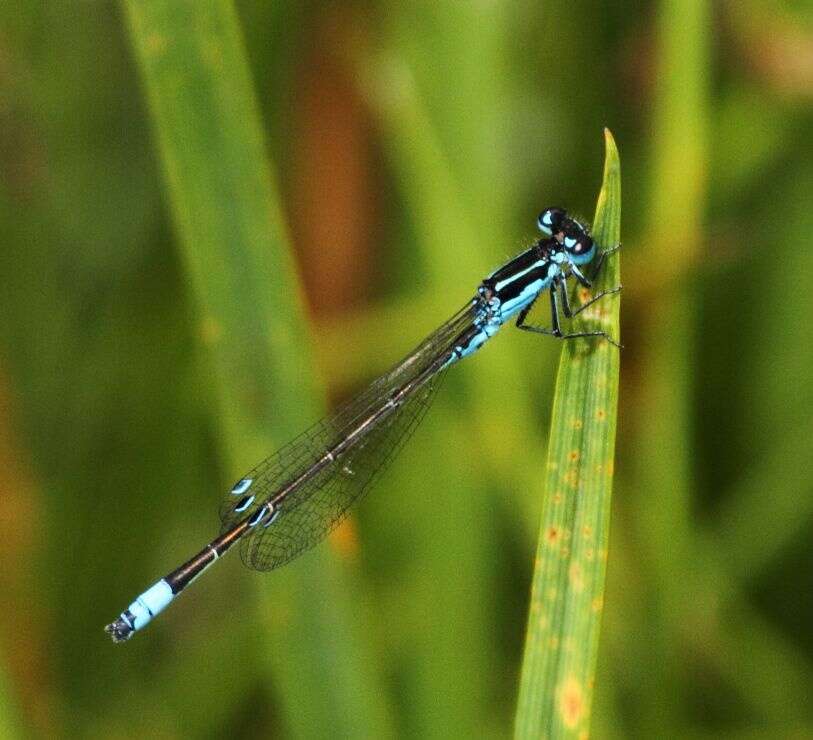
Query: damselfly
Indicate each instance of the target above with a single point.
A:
(290, 501)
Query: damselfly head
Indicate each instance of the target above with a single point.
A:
(577, 242)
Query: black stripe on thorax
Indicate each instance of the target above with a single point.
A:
(513, 277)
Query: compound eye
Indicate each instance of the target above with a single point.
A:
(577, 242)
(550, 220)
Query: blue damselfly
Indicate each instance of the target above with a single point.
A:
(291, 500)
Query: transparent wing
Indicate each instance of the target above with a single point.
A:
(309, 512)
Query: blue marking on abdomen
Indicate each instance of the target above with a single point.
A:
(487, 331)
(502, 312)
(153, 601)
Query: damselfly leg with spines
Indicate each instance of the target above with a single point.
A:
(290, 501)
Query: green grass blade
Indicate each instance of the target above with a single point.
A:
(568, 582)
(663, 468)
(250, 317)
(9, 724)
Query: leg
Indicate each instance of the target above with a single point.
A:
(554, 312)
(596, 297)
(577, 273)
(556, 331)
(577, 334)
(566, 298)
(606, 253)
(570, 314)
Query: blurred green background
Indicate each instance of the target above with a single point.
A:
(399, 151)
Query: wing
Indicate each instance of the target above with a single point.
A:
(308, 514)
(310, 511)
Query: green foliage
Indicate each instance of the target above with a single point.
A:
(228, 221)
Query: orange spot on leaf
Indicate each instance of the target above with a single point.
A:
(344, 539)
(576, 577)
(210, 330)
(571, 703)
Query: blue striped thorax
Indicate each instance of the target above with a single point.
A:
(516, 284)
(512, 288)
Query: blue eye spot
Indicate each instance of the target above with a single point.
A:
(545, 222)
(570, 242)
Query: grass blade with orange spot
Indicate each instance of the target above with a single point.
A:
(568, 583)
